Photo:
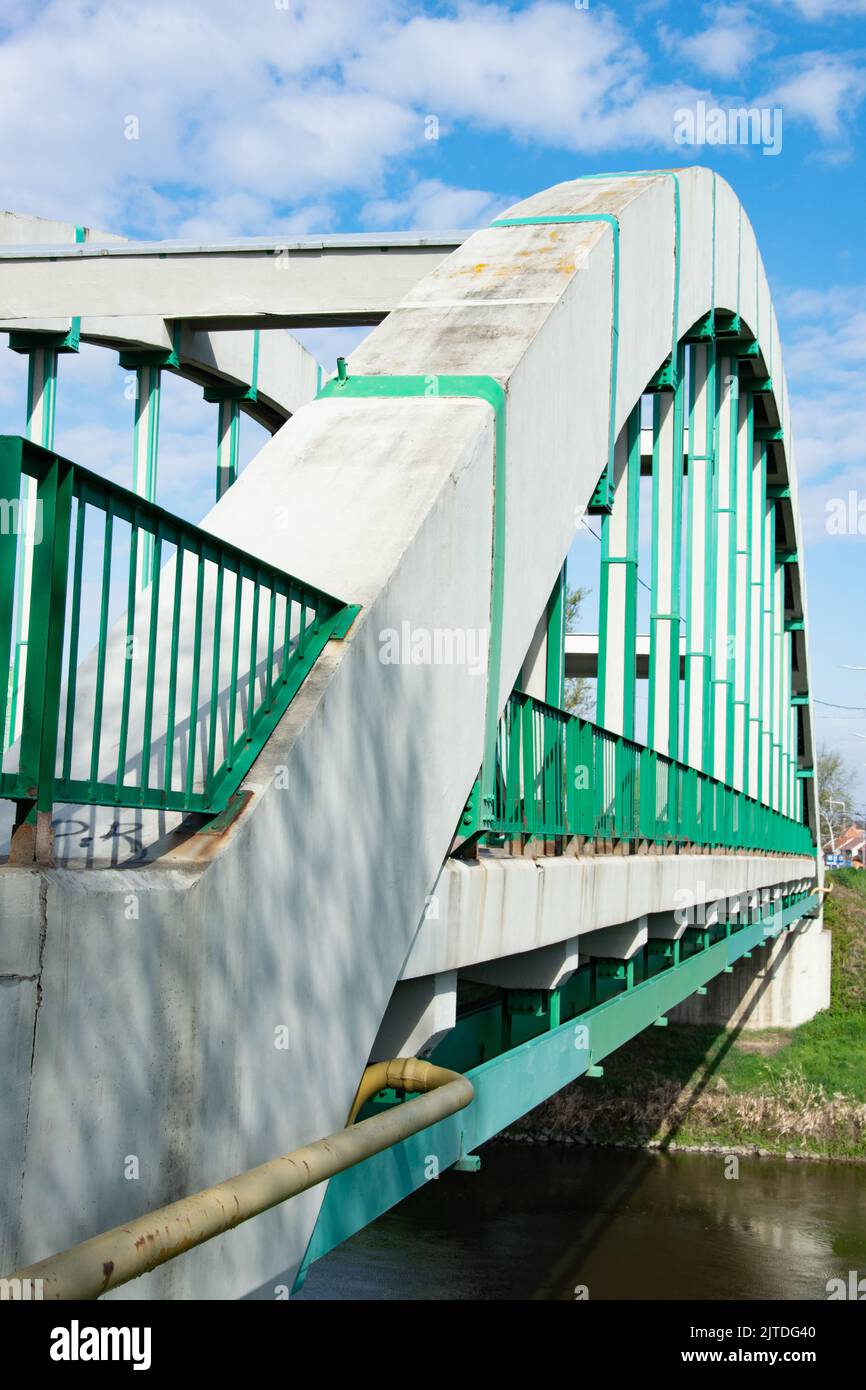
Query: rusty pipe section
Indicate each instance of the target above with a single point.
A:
(91, 1268)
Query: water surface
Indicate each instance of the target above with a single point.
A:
(536, 1222)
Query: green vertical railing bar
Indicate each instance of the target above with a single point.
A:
(554, 685)
(192, 741)
(128, 657)
(215, 679)
(150, 678)
(74, 625)
(103, 636)
(172, 670)
(254, 646)
(45, 634)
(233, 678)
(10, 491)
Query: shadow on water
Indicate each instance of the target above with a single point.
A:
(544, 1222)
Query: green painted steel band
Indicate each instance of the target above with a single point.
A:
(746, 614)
(731, 617)
(613, 223)
(653, 657)
(488, 389)
(632, 542)
(713, 266)
(670, 174)
(710, 534)
(254, 374)
(739, 252)
(688, 693)
(75, 323)
(603, 616)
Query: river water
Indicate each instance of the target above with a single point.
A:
(541, 1222)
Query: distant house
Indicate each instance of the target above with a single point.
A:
(849, 845)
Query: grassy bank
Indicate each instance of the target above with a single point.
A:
(802, 1091)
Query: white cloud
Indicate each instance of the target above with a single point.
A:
(227, 103)
(726, 47)
(818, 10)
(431, 203)
(824, 90)
(824, 339)
(571, 79)
(220, 217)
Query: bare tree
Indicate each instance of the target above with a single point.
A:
(578, 692)
(835, 792)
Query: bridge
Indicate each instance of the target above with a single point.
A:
(294, 797)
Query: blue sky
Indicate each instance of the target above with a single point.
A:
(268, 116)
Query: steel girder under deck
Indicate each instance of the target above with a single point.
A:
(512, 1083)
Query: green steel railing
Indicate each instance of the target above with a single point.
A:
(560, 775)
(183, 681)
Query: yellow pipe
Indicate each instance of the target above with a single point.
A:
(103, 1262)
(401, 1074)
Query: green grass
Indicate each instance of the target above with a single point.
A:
(829, 1051)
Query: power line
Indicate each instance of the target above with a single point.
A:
(640, 581)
